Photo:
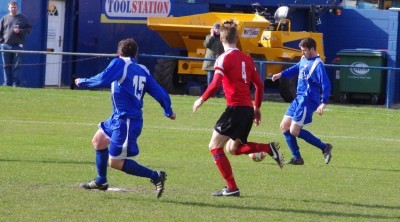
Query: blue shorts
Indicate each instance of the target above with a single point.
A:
(301, 111)
(123, 135)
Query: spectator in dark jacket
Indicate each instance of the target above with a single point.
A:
(214, 48)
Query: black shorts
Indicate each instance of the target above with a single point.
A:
(236, 122)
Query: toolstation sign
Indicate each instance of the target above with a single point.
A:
(134, 9)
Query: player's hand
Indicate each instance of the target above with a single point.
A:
(173, 116)
(320, 109)
(76, 81)
(276, 77)
(197, 104)
(257, 116)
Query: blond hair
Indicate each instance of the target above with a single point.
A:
(229, 31)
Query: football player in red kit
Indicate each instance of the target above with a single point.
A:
(236, 72)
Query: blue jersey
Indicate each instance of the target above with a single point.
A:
(129, 83)
(312, 79)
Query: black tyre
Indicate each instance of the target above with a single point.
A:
(288, 88)
(344, 98)
(374, 99)
(164, 73)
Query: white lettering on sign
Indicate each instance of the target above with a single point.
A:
(250, 32)
(137, 9)
(360, 69)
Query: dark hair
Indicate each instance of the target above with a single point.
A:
(308, 43)
(229, 31)
(127, 48)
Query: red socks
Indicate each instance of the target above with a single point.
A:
(253, 148)
(224, 167)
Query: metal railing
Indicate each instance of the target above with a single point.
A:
(390, 77)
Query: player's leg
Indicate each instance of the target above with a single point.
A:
(251, 147)
(325, 148)
(291, 139)
(123, 146)
(238, 145)
(216, 147)
(243, 122)
(100, 142)
(302, 118)
(291, 142)
(238, 128)
(231, 129)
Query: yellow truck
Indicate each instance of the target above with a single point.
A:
(258, 38)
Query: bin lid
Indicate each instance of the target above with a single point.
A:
(362, 52)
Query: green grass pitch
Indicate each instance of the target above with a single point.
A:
(45, 152)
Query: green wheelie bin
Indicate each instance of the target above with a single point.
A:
(361, 82)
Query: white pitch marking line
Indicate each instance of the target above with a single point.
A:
(201, 129)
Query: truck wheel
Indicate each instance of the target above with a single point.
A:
(374, 99)
(164, 73)
(344, 98)
(288, 88)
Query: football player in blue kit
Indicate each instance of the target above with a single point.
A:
(313, 92)
(129, 82)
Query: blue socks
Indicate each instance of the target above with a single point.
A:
(306, 136)
(101, 164)
(133, 168)
(292, 143)
(130, 167)
(311, 139)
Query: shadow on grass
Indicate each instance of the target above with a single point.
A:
(375, 206)
(369, 169)
(283, 210)
(47, 161)
(372, 206)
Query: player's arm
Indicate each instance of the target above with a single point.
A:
(214, 86)
(276, 77)
(325, 86)
(160, 95)
(320, 109)
(259, 86)
(259, 93)
(287, 73)
(210, 91)
(325, 83)
(105, 78)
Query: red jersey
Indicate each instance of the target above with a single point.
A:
(237, 72)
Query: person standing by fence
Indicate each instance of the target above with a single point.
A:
(14, 27)
(214, 48)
